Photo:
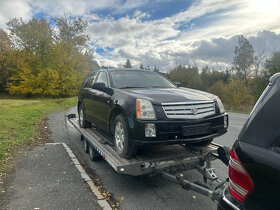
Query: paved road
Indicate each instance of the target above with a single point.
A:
(45, 178)
(143, 192)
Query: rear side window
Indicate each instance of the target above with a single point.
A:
(102, 78)
(262, 126)
(90, 80)
(276, 143)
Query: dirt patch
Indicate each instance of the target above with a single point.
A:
(43, 134)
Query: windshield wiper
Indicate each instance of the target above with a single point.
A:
(158, 87)
(130, 87)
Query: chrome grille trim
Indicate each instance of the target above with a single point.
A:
(183, 110)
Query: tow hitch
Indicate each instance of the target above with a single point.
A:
(211, 186)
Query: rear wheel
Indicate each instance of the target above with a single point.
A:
(86, 145)
(82, 121)
(93, 154)
(123, 144)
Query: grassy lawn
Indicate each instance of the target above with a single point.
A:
(19, 119)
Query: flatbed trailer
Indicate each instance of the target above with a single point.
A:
(168, 161)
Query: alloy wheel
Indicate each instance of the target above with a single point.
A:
(119, 136)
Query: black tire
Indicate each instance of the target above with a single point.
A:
(123, 144)
(86, 145)
(82, 121)
(93, 154)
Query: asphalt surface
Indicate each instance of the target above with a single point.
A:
(45, 178)
(144, 192)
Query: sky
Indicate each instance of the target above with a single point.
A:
(163, 33)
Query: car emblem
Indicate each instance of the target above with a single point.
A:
(194, 110)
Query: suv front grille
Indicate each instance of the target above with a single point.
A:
(189, 110)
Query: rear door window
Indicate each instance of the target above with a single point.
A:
(276, 145)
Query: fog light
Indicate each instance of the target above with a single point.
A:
(150, 130)
(225, 122)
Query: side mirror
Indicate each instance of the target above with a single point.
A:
(178, 84)
(101, 86)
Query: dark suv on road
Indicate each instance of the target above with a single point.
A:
(141, 107)
(254, 165)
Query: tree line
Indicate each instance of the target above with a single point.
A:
(238, 87)
(41, 57)
(44, 58)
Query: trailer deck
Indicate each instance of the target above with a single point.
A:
(168, 161)
(168, 158)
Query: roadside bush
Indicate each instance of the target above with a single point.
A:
(235, 95)
(257, 86)
(218, 89)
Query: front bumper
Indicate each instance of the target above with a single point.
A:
(174, 131)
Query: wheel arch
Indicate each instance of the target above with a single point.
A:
(78, 105)
(114, 113)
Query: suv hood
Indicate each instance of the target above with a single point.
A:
(167, 95)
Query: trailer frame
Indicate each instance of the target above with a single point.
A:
(178, 159)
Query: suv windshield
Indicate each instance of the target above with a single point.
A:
(138, 79)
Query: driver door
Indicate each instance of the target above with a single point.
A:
(102, 102)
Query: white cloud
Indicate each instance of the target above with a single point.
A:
(11, 9)
(161, 43)
(209, 34)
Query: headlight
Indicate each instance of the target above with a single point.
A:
(220, 105)
(145, 110)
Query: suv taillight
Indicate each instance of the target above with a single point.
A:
(240, 183)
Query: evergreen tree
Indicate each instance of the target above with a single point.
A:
(127, 64)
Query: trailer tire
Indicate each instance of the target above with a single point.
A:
(122, 140)
(93, 154)
(86, 145)
(82, 121)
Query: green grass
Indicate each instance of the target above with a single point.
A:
(18, 122)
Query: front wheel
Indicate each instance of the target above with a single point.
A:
(123, 144)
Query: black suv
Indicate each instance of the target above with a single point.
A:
(141, 107)
(254, 166)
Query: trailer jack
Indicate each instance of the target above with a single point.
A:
(211, 187)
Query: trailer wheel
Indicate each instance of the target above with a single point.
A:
(86, 145)
(123, 144)
(82, 121)
(93, 154)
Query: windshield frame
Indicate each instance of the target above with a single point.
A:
(150, 72)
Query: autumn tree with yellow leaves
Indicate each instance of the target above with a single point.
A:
(47, 60)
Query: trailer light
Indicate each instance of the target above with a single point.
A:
(150, 130)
